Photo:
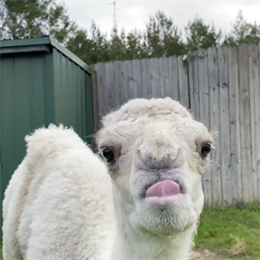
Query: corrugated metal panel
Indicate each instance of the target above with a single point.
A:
(39, 86)
(72, 88)
(23, 108)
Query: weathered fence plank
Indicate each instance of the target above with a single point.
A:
(254, 83)
(164, 77)
(224, 125)
(173, 78)
(183, 83)
(194, 87)
(128, 76)
(204, 111)
(102, 88)
(235, 151)
(214, 125)
(110, 85)
(245, 123)
(221, 87)
(155, 80)
(146, 85)
(119, 83)
(137, 78)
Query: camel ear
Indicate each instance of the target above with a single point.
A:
(214, 133)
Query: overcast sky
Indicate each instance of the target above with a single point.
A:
(134, 14)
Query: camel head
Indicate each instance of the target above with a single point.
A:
(156, 154)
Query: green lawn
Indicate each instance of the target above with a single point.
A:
(231, 232)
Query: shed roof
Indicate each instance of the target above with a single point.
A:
(40, 44)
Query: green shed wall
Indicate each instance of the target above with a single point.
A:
(36, 89)
(25, 104)
(72, 95)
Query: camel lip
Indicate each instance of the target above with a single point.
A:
(179, 182)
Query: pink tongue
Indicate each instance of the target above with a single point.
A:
(163, 188)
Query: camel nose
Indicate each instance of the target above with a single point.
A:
(160, 153)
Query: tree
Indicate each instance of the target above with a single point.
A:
(162, 37)
(117, 45)
(90, 46)
(201, 35)
(34, 18)
(136, 47)
(243, 31)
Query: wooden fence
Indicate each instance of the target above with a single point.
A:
(221, 86)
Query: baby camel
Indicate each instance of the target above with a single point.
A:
(64, 203)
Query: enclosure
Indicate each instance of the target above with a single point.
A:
(41, 82)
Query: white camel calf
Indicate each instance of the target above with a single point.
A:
(143, 202)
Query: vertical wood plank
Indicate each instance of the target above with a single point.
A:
(137, 78)
(224, 125)
(254, 85)
(193, 83)
(203, 87)
(245, 123)
(110, 85)
(146, 83)
(191, 80)
(173, 78)
(164, 76)
(155, 80)
(128, 75)
(235, 152)
(102, 88)
(214, 125)
(183, 82)
(204, 113)
(118, 85)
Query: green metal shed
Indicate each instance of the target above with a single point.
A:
(41, 82)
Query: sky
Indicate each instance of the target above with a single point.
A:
(134, 14)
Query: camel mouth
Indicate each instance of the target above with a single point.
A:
(174, 187)
(164, 193)
(164, 188)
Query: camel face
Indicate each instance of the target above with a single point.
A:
(156, 153)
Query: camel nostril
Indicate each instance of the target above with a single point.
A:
(175, 152)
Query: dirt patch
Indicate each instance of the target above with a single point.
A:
(206, 255)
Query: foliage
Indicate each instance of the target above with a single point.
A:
(34, 18)
(91, 46)
(200, 35)
(161, 37)
(243, 32)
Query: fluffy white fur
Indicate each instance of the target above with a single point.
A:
(64, 203)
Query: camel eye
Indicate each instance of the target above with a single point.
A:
(108, 155)
(205, 150)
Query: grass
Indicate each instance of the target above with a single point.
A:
(232, 232)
